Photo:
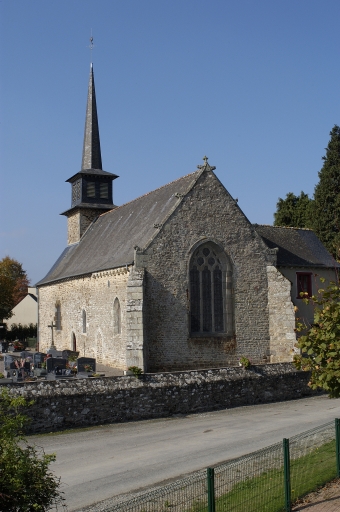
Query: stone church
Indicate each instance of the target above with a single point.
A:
(175, 279)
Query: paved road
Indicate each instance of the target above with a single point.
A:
(110, 460)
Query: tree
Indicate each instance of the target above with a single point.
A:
(294, 211)
(26, 483)
(320, 346)
(326, 205)
(13, 285)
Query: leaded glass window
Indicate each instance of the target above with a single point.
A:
(207, 291)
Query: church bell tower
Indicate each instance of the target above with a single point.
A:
(91, 186)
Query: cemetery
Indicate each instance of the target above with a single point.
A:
(67, 391)
(53, 365)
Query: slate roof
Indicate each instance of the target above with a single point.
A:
(297, 247)
(110, 240)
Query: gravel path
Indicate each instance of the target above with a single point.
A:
(326, 499)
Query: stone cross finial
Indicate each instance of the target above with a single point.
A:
(206, 166)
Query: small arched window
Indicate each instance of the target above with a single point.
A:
(210, 297)
(84, 321)
(116, 317)
(57, 316)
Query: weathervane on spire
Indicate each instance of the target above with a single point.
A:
(91, 46)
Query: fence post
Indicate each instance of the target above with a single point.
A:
(286, 471)
(211, 489)
(337, 441)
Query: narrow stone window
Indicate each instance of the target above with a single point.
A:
(57, 316)
(210, 301)
(84, 321)
(116, 317)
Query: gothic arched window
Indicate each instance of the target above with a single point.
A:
(116, 317)
(210, 297)
(84, 321)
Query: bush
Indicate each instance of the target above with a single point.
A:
(26, 483)
(320, 345)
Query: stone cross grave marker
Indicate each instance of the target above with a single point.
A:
(52, 326)
(82, 361)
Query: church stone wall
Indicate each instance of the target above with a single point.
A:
(95, 294)
(78, 222)
(208, 212)
(281, 317)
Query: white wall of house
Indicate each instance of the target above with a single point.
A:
(26, 312)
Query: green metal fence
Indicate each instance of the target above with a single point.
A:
(268, 480)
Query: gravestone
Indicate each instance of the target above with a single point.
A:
(39, 372)
(9, 362)
(66, 354)
(55, 363)
(82, 361)
(25, 354)
(4, 347)
(16, 375)
(38, 358)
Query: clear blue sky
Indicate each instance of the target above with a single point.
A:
(254, 85)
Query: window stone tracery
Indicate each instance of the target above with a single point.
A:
(210, 292)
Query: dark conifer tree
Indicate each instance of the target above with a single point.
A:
(325, 218)
(293, 211)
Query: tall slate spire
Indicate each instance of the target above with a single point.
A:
(92, 158)
(91, 186)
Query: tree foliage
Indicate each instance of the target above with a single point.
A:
(326, 205)
(26, 483)
(320, 346)
(322, 213)
(19, 332)
(13, 285)
(293, 211)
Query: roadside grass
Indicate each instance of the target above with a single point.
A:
(265, 492)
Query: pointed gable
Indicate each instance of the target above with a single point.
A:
(111, 239)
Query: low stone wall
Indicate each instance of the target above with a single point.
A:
(66, 404)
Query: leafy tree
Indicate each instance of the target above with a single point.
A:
(326, 205)
(20, 332)
(294, 211)
(320, 346)
(26, 483)
(13, 285)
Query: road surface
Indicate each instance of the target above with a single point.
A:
(111, 460)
